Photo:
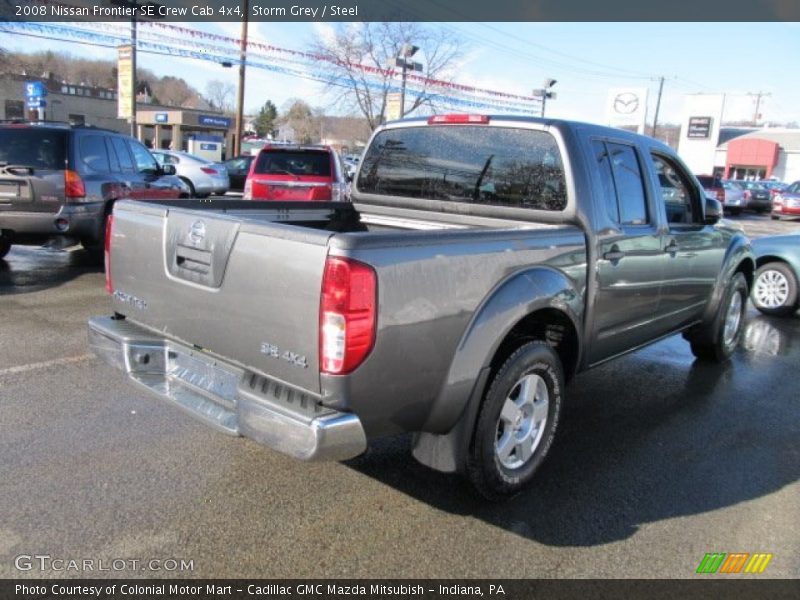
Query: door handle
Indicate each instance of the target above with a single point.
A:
(614, 255)
(672, 248)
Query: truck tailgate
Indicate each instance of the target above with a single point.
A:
(245, 290)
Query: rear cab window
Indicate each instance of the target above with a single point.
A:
(510, 167)
(39, 148)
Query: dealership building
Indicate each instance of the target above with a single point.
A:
(157, 126)
(735, 152)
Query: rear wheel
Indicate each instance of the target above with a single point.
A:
(5, 244)
(775, 290)
(192, 192)
(720, 340)
(774, 217)
(517, 421)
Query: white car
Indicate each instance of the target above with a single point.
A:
(203, 177)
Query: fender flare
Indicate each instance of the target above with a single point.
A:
(739, 252)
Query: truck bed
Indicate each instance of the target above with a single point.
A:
(251, 286)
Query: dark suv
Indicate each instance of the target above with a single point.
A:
(60, 179)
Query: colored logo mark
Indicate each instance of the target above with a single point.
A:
(735, 562)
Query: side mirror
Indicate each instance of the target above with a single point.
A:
(349, 177)
(168, 169)
(713, 211)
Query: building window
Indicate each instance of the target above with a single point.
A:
(15, 109)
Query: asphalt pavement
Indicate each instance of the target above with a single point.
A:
(660, 459)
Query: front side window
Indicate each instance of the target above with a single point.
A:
(144, 160)
(471, 164)
(675, 191)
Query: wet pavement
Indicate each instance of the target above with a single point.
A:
(659, 460)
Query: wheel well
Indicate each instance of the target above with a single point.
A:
(763, 260)
(747, 269)
(547, 325)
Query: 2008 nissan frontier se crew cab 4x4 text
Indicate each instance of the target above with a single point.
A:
(482, 263)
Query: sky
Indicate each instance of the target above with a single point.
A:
(587, 59)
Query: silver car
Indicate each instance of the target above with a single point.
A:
(203, 177)
(735, 198)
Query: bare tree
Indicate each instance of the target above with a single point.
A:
(220, 95)
(301, 119)
(375, 46)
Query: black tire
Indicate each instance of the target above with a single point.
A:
(495, 477)
(775, 290)
(5, 245)
(774, 217)
(718, 342)
(735, 212)
(192, 193)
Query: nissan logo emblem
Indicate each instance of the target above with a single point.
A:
(197, 232)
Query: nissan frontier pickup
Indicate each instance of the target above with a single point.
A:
(483, 261)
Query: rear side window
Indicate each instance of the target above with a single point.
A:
(623, 188)
(123, 156)
(300, 163)
(628, 179)
(495, 166)
(93, 153)
(34, 147)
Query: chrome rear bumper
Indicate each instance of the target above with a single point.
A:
(226, 397)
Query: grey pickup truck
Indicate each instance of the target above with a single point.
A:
(482, 263)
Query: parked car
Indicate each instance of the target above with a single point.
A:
(296, 173)
(773, 186)
(238, 169)
(204, 177)
(61, 180)
(786, 203)
(757, 197)
(712, 184)
(735, 199)
(485, 261)
(777, 275)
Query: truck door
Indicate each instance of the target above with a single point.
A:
(630, 259)
(694, 251)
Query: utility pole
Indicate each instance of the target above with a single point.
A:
(133, 77)
(658, 105)
(237, 145)
(758, 96)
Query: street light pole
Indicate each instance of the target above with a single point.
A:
(405, 63)
(237, 144)
(545, 93)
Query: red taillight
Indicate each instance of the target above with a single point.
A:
(208, 170)
(346, 315)
(720, 194)
(73, 185)
(107, 253)
(321, 192)
(456, 119)
(747, 194)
